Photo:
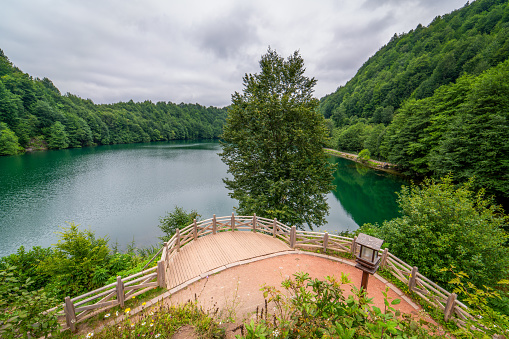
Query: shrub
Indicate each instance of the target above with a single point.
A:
(444, 226)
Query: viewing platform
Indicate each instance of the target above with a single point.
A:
(217, 244)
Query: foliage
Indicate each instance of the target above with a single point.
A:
(469, 40)
(57, 136)
(164, 322)
(364, 155)
(486, 322)
(76, 262)
(177, 219)
(22, 307)
(442, 226)
(312, 308)
(442, 91)
(34, 108)
(8, 141)
(462, 129)
(273, 142)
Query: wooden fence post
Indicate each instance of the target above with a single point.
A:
(165, 251)
(412, 279)
(383, 263)
(352, 249)
(449, 307)
(120, 291)
(254, 222)
(232, 222)
(178, 240)
(161, 282)
(195, 229)
(293, 236)
(274, 228)
(214, 225)
(70, 314)
(325, 240)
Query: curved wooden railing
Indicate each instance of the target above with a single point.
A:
(141, 282)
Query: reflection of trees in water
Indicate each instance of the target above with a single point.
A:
(367, 195)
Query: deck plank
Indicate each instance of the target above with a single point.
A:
(212, 251)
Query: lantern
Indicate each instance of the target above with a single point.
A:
(368, 260)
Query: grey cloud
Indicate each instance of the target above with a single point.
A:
(225, 36)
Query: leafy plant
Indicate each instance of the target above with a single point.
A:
(177, 219)
(485, 322)
(312, 308)
(22, 310)
(444, 225)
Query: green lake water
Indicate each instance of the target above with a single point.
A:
(122, 190)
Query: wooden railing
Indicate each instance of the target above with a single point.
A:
(78, 308)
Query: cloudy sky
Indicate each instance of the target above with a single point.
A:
(197, 51)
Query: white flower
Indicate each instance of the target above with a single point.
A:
(107, 315)
(90, 335)
(275, 333)
(151, 324)
(116, 313)
(143, 324)
(157, 335)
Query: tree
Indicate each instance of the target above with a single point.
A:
(177, 219)
(8, 141)
(77, 258)
(273, 140)
(58, 136)
(444, 226)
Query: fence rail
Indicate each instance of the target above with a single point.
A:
(79, 308)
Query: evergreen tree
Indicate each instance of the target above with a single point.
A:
(273, 142)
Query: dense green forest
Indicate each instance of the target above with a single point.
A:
(34, 115)
(434, 100)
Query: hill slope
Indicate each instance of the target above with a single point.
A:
(435, 100)
(33, 113)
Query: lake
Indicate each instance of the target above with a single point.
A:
(120, 191)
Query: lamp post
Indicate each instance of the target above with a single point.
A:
(367, 259)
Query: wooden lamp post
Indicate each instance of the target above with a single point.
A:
(368, 260)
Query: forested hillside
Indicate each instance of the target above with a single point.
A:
(33, 114)
(435, 100)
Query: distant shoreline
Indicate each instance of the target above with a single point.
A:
(371, 163)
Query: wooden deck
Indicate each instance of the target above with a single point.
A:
(214, 251)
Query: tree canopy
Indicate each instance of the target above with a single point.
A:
(273, 141)
(30, 107)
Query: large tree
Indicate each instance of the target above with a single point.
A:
(273, 142)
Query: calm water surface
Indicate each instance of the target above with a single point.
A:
(122, 190)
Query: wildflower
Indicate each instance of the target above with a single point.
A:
(133, 297)
(151, 313)
(107, 316)
(116, 313)
(143, 304)
(151, 324)
(127, 310)
(132, 325)
(143, 324)
(157, 335)
(275, 333)
(90, 335)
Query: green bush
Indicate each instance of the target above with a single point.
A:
(445, 226)
(177, 219)
(364, 155)
(312, 308)
(21, 308)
